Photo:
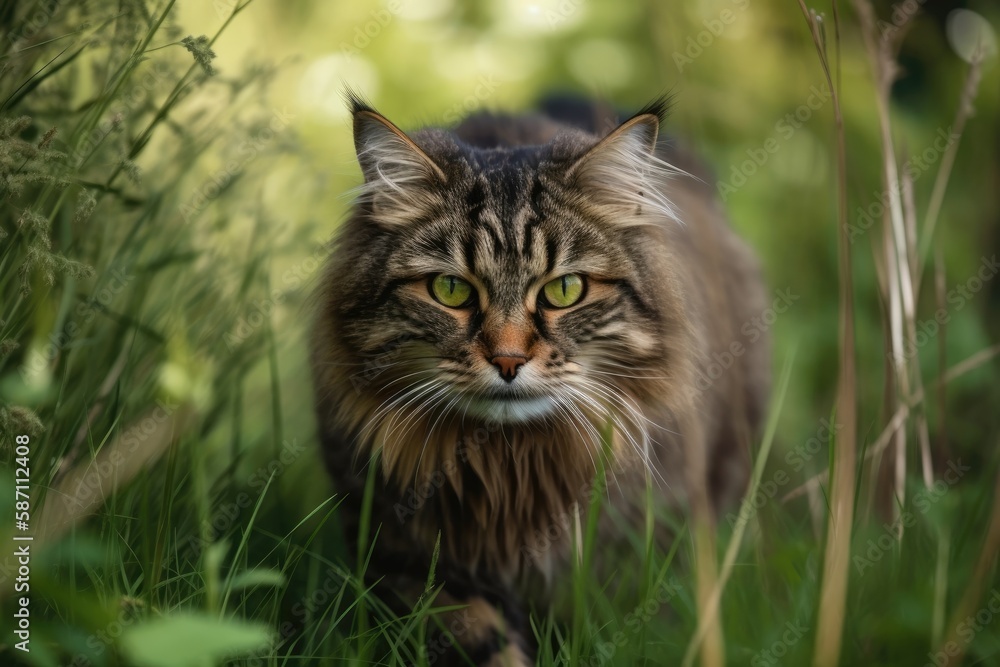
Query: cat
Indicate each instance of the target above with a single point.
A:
(515, 308)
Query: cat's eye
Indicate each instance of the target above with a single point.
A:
(451, 291)
(564, 291)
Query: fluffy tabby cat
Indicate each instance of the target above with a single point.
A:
(512, 303)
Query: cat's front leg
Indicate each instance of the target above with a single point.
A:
(482, 632)
(475, 622)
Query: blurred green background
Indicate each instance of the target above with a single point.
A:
(211, 185)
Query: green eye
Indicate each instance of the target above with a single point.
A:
(451, 291)
(565, 291)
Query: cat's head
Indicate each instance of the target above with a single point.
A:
(510, 285)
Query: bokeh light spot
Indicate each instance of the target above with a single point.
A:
(601, 64)
(321, 90)
(968, 31)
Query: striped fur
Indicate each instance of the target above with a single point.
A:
(406, 384)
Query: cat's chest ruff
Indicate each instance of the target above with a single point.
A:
(504, 500)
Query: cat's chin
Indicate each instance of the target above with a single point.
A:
(510, 410)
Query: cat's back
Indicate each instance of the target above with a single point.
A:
(567, 114)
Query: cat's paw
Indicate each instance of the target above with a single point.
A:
(509, 656)
(482, 636)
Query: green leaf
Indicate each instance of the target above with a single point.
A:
(182, 640)
(254, 578)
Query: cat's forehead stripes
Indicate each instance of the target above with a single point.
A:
(502, 241)
(504, 201)
(482, 218)
(534, 217)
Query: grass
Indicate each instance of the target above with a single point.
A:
(150, 347)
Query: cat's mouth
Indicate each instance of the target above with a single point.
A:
(509, 409)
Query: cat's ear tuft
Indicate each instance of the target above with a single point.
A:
(400, 178)
(385, 153)
(625, 150)
(622, 173)
(659, 107)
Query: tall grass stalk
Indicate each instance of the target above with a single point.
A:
(736, 539)
(836, 561)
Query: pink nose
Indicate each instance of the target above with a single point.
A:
(508, 366)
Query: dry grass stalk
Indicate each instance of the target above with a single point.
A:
(836, 562)
(714, 584)
(965, 109)
(881, 48)
(940, 296)
(86, 487)
(899, 418)
(709, 636)
(903, 264)
(910, 220)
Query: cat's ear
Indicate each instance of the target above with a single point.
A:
(622, 174)
(385, 153)
(398, 173)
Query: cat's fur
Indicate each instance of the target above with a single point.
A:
(487, 466)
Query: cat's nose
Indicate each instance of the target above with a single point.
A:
(508, 365)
